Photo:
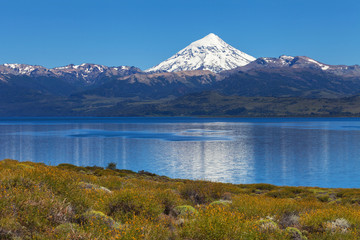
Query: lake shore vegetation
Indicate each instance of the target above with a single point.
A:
(38, 201)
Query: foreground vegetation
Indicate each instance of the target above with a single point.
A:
(69, 202)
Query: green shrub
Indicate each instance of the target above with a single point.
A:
(295, 233)
(264, 186)
(221, 202)
(70, 231)
(111, 166)
(184, 211)
(323, 198)
(99, 218)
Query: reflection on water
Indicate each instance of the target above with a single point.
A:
(316, 152)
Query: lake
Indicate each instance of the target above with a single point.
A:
(321, 152)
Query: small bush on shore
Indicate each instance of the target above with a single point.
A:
(111, 166)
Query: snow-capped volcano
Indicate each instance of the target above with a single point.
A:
(209, 53)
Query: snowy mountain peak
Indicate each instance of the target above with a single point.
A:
(286, 58)
(209, 40)
(22, 69)
(208, 53)
(295, 62)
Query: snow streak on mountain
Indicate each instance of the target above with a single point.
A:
(209, 53)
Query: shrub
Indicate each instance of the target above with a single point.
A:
(217, 222)
(185, 211)
(264, 186)
(261, 206)
(70, 231)
(221, 202)
(226, 196)
(289, 219)
(111, 166)
(169, 198)
(91, 186)
(338, 225)
(143, 172)
(330, 218)
(200, 192)
(323, 198)
(129, 202)
(267, 225)
(295, 233)
(98, 218)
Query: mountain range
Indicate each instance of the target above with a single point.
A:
(205, 70)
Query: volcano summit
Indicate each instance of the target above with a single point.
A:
(209, 53)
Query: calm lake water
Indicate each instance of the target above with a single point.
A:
(282, 151)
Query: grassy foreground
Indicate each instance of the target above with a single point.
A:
(69, 202)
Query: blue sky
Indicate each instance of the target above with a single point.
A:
(144, 33)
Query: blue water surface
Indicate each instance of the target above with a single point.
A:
(321, 152)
